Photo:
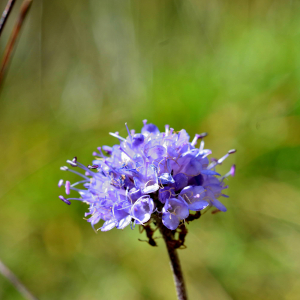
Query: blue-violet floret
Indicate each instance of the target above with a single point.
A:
(148, 172)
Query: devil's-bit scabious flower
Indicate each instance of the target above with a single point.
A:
(146, 173)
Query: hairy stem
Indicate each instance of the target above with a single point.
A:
(168, 236)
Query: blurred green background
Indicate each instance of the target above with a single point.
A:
(83, 68)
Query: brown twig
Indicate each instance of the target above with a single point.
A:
(168, 236)
(7, 273)
(10, 46)
(6, 13)
(174, 239)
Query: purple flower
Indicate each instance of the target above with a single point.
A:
(148, 173)
(174, 210)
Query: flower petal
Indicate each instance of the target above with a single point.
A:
(150, 188)
(166, 193)
(181, 181)
(150, 128)
(156, 152)
(220, 206)
(198, 205)
(124, 222)
(170, 221)
(166, 178)
(142, 209)
(210, 172)
(108, 225)
(177, 207)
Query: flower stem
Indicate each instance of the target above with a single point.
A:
(16, 282)
(168, 236)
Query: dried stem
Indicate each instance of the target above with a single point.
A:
(10, 46)
(16, 282)
(6, 13)
(168, 236)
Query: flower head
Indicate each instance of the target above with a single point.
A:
(147, 173)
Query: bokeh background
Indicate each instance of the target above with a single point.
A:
(83, 68)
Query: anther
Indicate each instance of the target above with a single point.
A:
(203, 135)
(226, 155)
(60, 183)
(92, 167)
(67, 186)
(72, 163)
(232, 170)
(62, 198)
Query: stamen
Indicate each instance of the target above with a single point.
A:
(117, 136)
(171, 130)
(145, 122)
(167, 129)
(194, 142)
(129, 133)
(73, 171)
(64, 200)
(99, 154)
(79, 182)
(93, 167)
(100, 151)
(132, 131)
(201, 136)
(231, 172)
(226, 155)
(86, 169)
(67, 186)
(72, 163)
(75, 189)
(201, 146)
(60, 183)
